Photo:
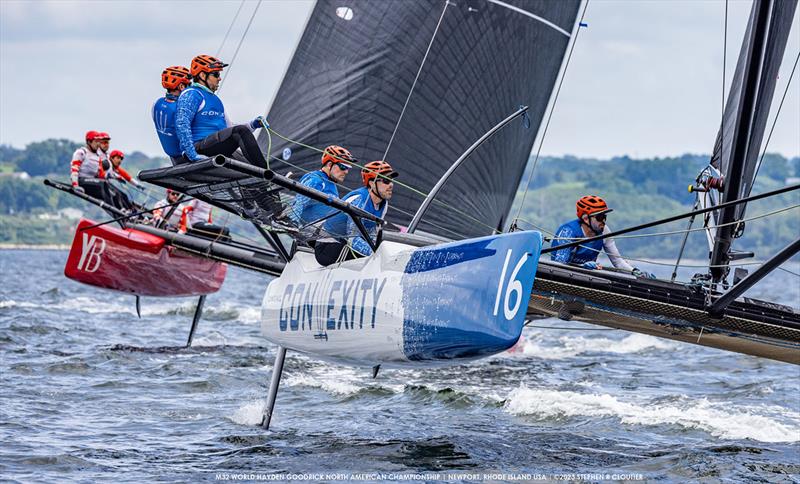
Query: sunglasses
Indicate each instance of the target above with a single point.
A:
(386, 181)
(214, 74)
(342, 166)
(600, 218)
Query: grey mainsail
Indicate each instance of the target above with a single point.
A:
(416, 83)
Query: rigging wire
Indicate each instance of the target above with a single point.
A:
(391, 207)
(419, 71)
(225, 39)
(699, 229)
(396, 182)
(778, 113)
(552, 109)
(239, 46)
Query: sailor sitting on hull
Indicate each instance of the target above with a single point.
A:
(592, 212)
(174, 79)
(86, 168)
(202, 126)
(373, 197)
(114, 171)
(164, 208)
(335, 166)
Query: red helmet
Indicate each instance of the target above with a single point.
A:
(116, 153)
(103, 136)
(173, 77)
(374, 168)
(337, 154)
(206, 63)
(591, 205)
(91, 135)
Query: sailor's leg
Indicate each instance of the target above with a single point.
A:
(228, 140)
(277, 369)
(198, 313)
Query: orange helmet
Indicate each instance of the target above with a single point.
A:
(591, 205)
(173, 77)
(337, 154)
(206, 63)
(374, 168)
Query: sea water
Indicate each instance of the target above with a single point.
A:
(88, 392)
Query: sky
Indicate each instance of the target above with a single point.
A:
(645, 79)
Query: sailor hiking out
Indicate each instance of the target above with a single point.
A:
(373, 197)
(202, 125)
(86, 169)
(335, 166)
(592, 212)
(174, 79)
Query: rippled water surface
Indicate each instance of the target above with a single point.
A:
(91, 392)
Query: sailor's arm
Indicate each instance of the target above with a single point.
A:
(610, 247)
(75, 166)
(563, 256)
(188, 104)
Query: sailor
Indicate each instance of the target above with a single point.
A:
(202, 126)
(86, 169)
(174, 79)
(105, 140)
(373, 197)
(164, 207)
(114, 171)
(335, 166)
(592, 212)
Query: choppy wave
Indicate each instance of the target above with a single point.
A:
(570, 346)
(720, 420)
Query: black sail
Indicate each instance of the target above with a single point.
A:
(416, 83)
(738, 144)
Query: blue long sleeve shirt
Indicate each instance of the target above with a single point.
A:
(200, 113)
(306, 210)
(342, 224)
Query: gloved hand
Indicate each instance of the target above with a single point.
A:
(642, 274)
(78, 189)
(259, 122)
(591, 265)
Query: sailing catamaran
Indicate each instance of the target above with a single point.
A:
(452, 94)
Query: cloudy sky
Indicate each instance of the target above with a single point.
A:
(645, 78)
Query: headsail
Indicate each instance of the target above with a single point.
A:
(739, 141)
(416, 83)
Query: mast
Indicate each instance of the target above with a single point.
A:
(739, 140)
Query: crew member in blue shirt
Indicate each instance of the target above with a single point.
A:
(592, 212)
(174, 79)
(335, 166)
(373, 197)
(202, 126)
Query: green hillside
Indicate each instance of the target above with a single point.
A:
(639, 190)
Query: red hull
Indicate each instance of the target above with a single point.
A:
(135, 262)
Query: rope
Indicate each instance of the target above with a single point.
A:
(236, 52)
(391, 207)
(790, 272)
(219, 50)
(552, 110)
(700, 229)
(404, 185)
(414, 84)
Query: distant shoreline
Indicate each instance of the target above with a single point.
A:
(34, 247)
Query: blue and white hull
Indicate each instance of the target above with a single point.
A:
(406, 306)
